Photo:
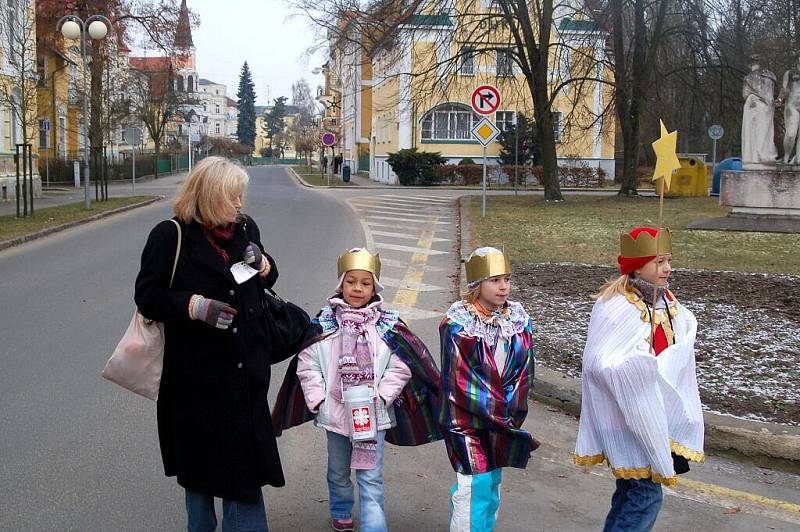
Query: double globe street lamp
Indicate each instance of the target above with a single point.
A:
(73, 27)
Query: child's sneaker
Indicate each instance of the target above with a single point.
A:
(342, 525)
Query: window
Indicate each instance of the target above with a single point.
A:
(62, 134)
(44, 136)
(73, 83)
(467, 61)
(179, 82)
(504, 120)
(449, 122)
(190, 84)
(205, 106)
(216, 128)
(505, 63)
(216, 107)
(557, 125)
(41, 71)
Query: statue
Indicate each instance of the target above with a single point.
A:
(758, 135)
(790, 98)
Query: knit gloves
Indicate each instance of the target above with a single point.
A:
(254, 257)
(215, 313)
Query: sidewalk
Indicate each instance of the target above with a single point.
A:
(62, 196)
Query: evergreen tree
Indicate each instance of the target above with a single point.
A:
(273, 125)
(529, 150)
(246, 127)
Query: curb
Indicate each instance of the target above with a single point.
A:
(753, 439)
(5, 244)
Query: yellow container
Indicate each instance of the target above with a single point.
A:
(691, 180)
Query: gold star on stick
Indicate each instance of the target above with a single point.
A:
(666, 158)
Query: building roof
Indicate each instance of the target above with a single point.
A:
(204, 81)
(183, 33)
(230, 102)
(151, 64)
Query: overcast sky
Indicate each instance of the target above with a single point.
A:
(260, 32)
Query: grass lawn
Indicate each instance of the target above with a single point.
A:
(12, 227)
(313, 176)
(585, 229)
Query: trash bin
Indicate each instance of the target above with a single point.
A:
(346, 173)
(691, 179)
(731, 163)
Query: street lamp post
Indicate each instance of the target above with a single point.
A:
(73, 27)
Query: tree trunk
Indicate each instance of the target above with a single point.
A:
(157, 157)
(547, 136)
(96, 113)
(629, 123)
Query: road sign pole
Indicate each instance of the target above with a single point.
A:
(714, 158)
(133, 168)
(483, 199)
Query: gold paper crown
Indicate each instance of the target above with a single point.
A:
(490, 265)
(360, 260)
(645, 244)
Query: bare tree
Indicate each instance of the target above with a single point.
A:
(18, 90)
(155, 103)
(521, 37)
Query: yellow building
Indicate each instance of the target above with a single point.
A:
(17, 92)
(416, 94)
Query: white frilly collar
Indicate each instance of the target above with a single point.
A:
(474, 326)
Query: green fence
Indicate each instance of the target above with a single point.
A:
(257, 161)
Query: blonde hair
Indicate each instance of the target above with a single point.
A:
(215, 182)
(472, 294)
(620, 285)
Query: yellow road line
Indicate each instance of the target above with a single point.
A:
(406, 298)
(721, 491)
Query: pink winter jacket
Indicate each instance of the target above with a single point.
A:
(318, 372)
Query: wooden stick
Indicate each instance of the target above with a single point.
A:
(658, 255)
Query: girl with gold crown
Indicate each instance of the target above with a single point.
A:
(487, 372)
(640, 408)
(365, 379)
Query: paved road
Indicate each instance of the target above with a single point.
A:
(78, 454)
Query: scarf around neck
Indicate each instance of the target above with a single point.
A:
(219, 237)
(356, 364)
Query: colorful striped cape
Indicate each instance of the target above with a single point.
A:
(415, 408)
(482, 410)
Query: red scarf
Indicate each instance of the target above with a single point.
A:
(219, 237)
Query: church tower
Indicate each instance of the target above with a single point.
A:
(184, 53)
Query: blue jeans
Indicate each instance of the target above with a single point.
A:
(634, 506)
(236, 516)
(370, 484)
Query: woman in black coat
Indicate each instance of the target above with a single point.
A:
(214, 423)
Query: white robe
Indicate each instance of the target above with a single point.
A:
(636, 408)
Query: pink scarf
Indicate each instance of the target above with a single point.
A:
(356, 365)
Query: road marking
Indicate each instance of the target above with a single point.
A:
(408, 209)
(405, 298)
(420, 287)
(404, 264)
(400, 219)
(403, 213)
(417, 198)
(405, 236)
(401, 225)
(411, 249)
(722, 491)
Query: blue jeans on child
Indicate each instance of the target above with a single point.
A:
(634, 506)
(370, 484)
(475, 501)
(236, 516)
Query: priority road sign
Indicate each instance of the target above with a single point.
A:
(485, 100)
(329, 139)
(485, 131)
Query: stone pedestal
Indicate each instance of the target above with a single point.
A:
(762, 198)
(770, 192)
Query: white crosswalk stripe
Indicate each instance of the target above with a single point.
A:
(405, 236)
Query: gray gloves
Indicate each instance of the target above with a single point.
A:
(254, 257)
(215, 313)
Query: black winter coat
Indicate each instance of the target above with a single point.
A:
(214, 423)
